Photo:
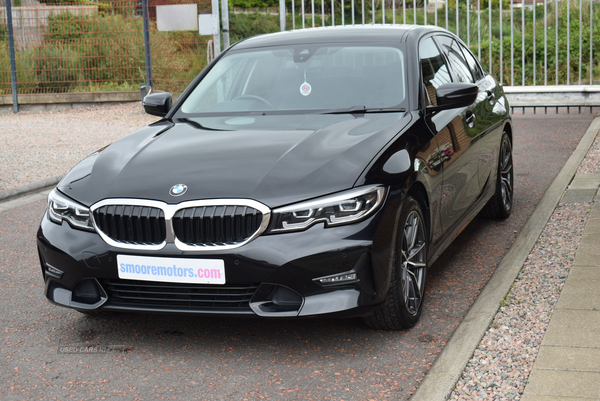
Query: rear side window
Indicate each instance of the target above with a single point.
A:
(434, 70)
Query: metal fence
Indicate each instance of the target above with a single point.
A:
(96, 47)
(100, 46)
(522, 42)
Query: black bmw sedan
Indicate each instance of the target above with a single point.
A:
(308, 173)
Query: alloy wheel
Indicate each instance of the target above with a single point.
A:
(413, 267)
(506, 173)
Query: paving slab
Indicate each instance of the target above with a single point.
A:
(550, 383)
(583, 259)
(584, 295)
(585, 273)
(582, 189)
(589, 245)
(568, 358)
(592, 229)
(577, 319)
(585, 181)
(595, 213)
(579, 196)
(574, 336)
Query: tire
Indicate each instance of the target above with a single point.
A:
(409, 270)
(499, 207)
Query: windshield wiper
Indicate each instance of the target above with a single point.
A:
(196, 124)
(362, 109)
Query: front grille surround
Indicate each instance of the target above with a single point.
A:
(249, 220)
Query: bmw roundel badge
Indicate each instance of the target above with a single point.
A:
(178, 190)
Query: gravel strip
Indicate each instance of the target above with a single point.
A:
(500, 366)
(591, 162)
(37, 146)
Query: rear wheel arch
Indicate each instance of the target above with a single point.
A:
(508, 129)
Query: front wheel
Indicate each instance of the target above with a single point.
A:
(409, 268)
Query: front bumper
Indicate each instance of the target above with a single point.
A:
(272, 276)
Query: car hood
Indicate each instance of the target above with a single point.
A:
(275, 160)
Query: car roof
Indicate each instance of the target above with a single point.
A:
(340, 34)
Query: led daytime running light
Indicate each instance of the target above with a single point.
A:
(342, 208)
(338, 279)
(61, 208)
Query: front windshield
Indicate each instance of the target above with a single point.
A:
(302, 78)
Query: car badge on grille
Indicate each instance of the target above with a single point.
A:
(178, 190)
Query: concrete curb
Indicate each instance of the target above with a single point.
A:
(441, 378)
(26, 189)
(35, 103)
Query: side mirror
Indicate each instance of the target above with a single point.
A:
(158, 104)
(455, 95)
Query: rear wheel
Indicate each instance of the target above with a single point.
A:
(500, 205)
(409, 268)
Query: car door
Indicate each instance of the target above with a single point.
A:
(489, 114)
(457, 152)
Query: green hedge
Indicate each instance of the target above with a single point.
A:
(243, 26)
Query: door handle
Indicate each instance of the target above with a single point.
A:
(490, 96)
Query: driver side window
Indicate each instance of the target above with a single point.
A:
(458, 64)
(434, 71)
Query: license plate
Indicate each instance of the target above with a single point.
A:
(171, 270)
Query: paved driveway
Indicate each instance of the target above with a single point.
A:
(156, 356)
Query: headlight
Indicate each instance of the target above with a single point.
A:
(62, 208)
(342, 208)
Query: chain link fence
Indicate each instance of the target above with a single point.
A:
(94, 46)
